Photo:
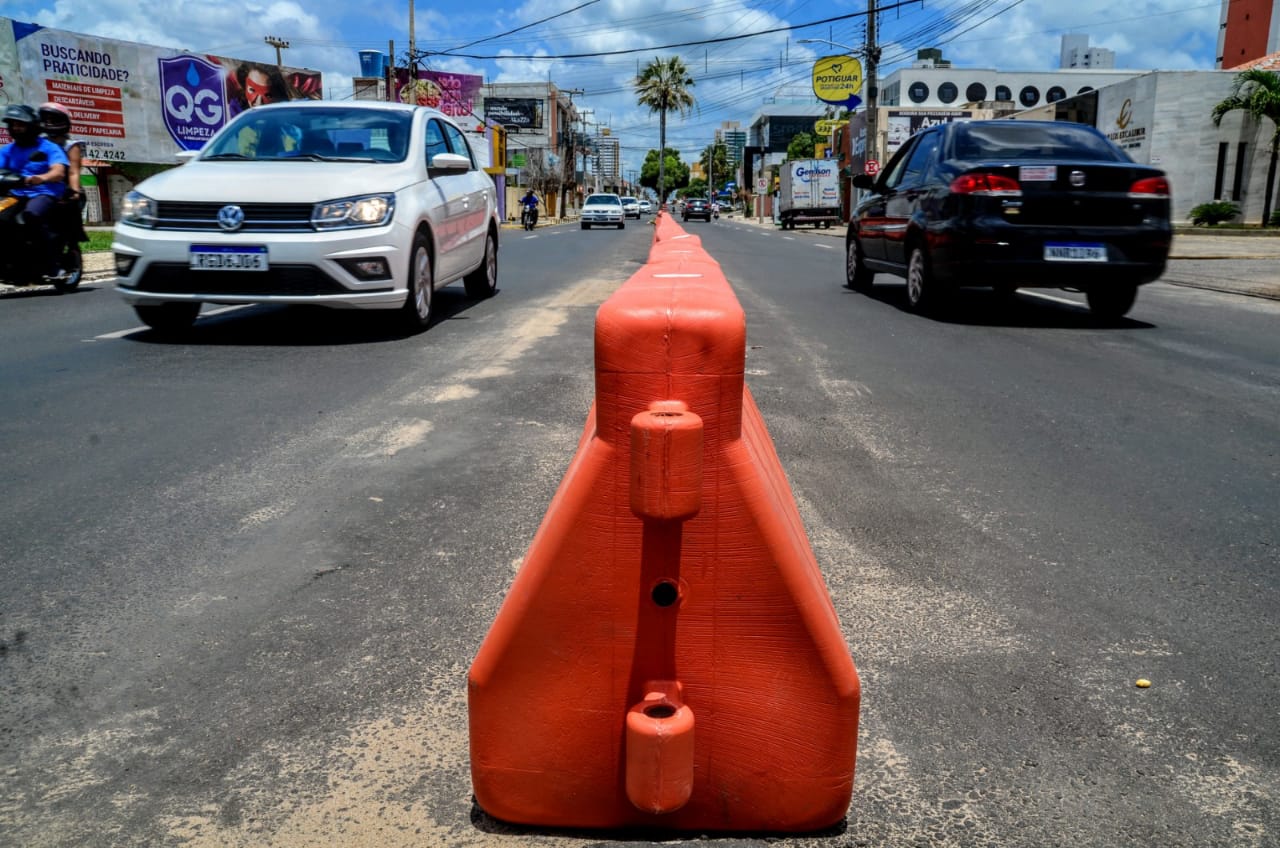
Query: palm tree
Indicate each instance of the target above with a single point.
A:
(1257, 92)
(664, 86)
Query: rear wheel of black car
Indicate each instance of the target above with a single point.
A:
(1112, 302)
(483, 281)
(168, 318)
(857, 276)
(922, 291)
(416, 312)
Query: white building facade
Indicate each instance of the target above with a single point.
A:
(1163, 118)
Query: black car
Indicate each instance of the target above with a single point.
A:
(697, 207)
(1007, 204)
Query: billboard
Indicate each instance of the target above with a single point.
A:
(134, 102)
(520, 113)
(456, 95)
(902, 125)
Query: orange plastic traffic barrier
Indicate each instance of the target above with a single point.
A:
(668, 655)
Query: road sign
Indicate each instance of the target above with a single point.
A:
(872, 167)
(762, 185)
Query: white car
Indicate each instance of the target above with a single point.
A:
(348, 205)
(602, 208)
(645, 207)
(631, 208)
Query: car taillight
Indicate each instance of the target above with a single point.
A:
(1150, 187)
(985, 184)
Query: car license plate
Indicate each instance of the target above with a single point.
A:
(1075, 252)
(213, 257)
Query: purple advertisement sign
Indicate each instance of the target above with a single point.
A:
(456, 95)
(194, 99)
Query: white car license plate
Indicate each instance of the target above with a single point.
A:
(1075, 252)
(211, 257)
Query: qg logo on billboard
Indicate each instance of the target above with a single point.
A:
(194, 100)
(808, 175)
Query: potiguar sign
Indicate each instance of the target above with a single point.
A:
(838, 79)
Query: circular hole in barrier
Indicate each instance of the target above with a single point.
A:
(660, 711)
(666, 593)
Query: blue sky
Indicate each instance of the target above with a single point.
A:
(732, 77)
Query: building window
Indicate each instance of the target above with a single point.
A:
(1029, 96)
(1055, 94)
(918, 92)
(947, 92)
(1003, 92)
(975, 93)
(1222, 169)
(1237, 184)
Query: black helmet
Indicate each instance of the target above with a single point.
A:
(20, 112)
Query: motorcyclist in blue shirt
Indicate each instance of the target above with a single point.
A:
(530, 205)
(43, 166)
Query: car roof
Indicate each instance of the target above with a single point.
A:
(366, 105)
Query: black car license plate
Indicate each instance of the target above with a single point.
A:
(1074, 252)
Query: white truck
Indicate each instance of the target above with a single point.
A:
(808, 193)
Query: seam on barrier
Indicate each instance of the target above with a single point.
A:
(676, 276)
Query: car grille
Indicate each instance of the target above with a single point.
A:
(258, 217)
(280, 280)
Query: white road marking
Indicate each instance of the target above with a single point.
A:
(826, 246)
(1075, 303)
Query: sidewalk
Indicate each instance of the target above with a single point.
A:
(1198, 244)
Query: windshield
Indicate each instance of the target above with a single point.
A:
(1025, 140)
(603, 200)
(316, 134)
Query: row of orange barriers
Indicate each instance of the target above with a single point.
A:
(668, 655)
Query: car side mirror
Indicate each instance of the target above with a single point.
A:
(864, 181)
(450, 163)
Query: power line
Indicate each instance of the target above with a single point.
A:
(719, 40)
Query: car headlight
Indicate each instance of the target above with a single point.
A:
(138, 209)
(372, 210)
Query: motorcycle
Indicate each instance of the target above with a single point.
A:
(529, 217)
(18, 264)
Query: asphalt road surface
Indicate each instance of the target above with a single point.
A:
(244, 574)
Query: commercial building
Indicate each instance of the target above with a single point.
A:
(542, 141)
(1163, 118)
(1247, 30)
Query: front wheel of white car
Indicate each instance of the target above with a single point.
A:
(415, 315)
(168, 318)
(483, 281)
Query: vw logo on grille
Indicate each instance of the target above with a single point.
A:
(230, 217)
(1077, 178)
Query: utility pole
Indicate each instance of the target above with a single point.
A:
(412, 50)
(278, 44)
(873, 56)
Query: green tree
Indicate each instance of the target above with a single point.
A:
(715, 164)
(1257, 92)
(670, 169)
(663, 86)
(801, 146)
